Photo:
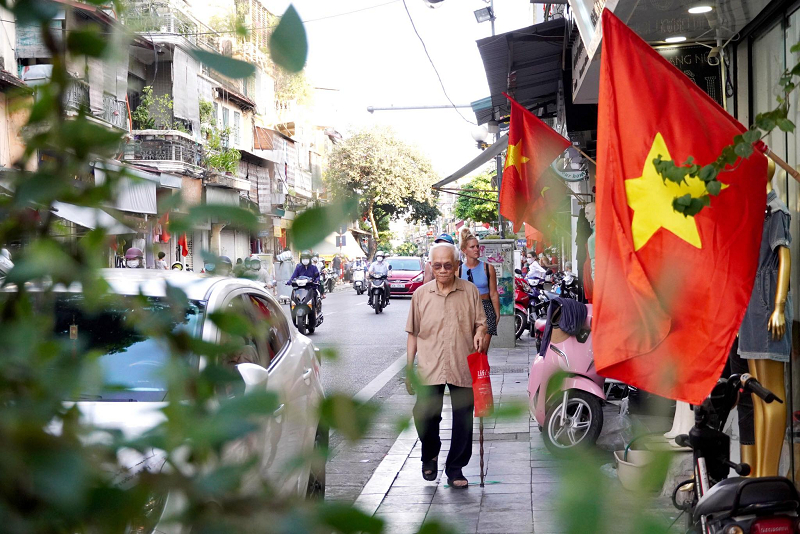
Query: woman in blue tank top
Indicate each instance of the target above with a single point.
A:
(484, 277)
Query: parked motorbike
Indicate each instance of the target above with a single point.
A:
(530, 303)
(522, 298)
(358, 281)
(305, 305)
(719, 504)
(565, 392)
(566, 285)
(379, 292)
(330, 280)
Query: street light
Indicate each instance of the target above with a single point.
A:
(484, 14)
(480, 134)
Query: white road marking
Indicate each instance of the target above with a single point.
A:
(377, 383)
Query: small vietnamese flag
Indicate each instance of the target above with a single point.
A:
(184, 245)
(529, 193)
(670, 290)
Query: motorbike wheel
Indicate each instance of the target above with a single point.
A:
(301, 326)
(519, 323)
(581, 428)
(378, 305)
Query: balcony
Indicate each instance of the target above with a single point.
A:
(167, 150)
(115, 112)
(77, 96)
(229, 181)
(163, 20)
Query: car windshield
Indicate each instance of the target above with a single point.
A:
(132, 364)
(399, 264)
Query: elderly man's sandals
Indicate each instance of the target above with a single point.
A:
(430, 470)
(463, 482)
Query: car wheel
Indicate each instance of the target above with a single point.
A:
(582, 426)
(316, 479)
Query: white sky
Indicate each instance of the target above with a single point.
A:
(374, 58)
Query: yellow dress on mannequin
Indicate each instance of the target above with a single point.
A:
(770, 419)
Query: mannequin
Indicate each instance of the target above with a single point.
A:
(682, 422)
(766, 355)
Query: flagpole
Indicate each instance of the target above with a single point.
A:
(791, 171)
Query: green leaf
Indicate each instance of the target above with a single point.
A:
(751, 136)
(87, 42)
(765, 122)
(347, 519)
(256, 403)
(795, 48)
(198, 215)
(288, 44)
(227, 66)
(231, 322)
(684, 201)
(743, 149)
(786, 125)
(708, 173)
(347, 416)
(34, 11)
(714, 187)
(314, 225)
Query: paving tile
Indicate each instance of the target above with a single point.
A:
(408, 498)
(402, 528)
(548, 527)
(507, 488)
(392, 518)
(397, 507)
(368, 503)
(341, 493)
(411, 490)
(506, 503)
(459, 522)
(447, 495)
(469, 508)
(509, 478)
(505, 522)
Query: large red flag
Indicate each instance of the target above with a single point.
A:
(528, 192)
(670, 290)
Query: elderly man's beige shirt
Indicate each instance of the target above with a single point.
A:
(445, 327)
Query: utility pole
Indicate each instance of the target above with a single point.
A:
(498, 159)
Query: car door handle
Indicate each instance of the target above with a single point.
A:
(278, 414)
(307, 376)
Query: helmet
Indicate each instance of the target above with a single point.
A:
(444, 238)
(223, 268)
(380, 254)
(305, 254)
(133, 253)
(253, 263)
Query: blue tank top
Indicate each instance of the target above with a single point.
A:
(479, 277)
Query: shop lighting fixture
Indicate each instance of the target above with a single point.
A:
(698, 10)
(676, 39)
(484, 14)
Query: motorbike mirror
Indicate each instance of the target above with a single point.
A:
(518, 271)
(390, 267)
(253, 375)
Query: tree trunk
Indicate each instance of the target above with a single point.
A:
(373, 245)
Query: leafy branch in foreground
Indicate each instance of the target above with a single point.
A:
(742, 147)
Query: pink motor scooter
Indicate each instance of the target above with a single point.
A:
(565, 392)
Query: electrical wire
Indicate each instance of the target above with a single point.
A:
(351, 12)
(425, 48)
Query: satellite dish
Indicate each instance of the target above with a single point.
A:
(433, 3)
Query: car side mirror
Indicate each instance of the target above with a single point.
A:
(254, 376)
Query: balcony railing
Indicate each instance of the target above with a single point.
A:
(157, 147)
(77, 95)
(164, 18)
(115, 112)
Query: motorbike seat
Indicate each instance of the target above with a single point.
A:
(776, 493)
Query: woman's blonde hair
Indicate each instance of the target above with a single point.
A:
(465, 236)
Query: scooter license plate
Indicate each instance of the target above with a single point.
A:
(772, 525)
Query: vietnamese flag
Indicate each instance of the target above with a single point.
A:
(528, 193)
(184, 246)
(670, 290)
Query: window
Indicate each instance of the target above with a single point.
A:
(278, 328)
(225, 121)
(247, 349)
(216, 115)
(237, 118)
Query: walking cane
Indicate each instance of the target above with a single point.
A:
(480, 425)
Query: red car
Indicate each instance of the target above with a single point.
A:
(406, 274)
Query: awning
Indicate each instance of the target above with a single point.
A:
(90, 218)
(485, 157)
(526, 64)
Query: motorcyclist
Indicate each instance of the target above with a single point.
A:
(256, 269)
(319, 265)
(134, 258)
(308, 269)
(379, 268)
(224, 267)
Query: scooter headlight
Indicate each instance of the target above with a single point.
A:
(734, 529)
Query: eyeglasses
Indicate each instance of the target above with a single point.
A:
(440, 266)
(469, 275)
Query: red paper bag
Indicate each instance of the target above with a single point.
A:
(481, 384)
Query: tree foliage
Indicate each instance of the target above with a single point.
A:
(387, 175)
(478, 206)
(407, 249)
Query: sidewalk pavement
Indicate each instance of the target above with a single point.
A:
(522, 493)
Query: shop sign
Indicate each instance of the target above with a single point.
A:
(693, 62)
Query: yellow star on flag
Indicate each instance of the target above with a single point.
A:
(515, 158)
(651, 198)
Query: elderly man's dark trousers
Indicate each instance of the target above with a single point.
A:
(428, 415)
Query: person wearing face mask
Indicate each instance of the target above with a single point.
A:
(378, 268)
(306, 268)
(134, 258)
(316, 263)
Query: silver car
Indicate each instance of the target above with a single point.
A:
(283, 361)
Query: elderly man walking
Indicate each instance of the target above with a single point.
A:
(445, 324)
